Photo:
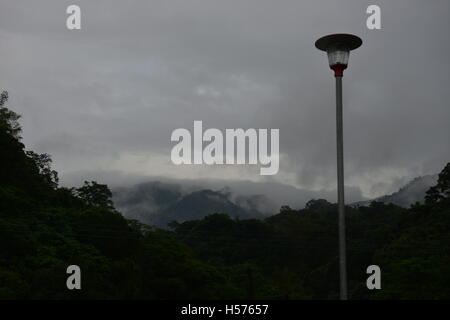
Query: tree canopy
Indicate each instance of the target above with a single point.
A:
(291, 255)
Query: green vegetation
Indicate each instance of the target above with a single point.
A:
(292, 255)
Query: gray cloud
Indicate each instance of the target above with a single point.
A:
(107, 97)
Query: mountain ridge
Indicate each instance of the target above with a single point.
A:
(412, 192)
(158, 203)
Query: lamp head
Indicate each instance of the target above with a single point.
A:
(338, 47)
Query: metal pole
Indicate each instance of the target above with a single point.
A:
(340, 185)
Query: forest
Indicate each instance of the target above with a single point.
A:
(292, 254)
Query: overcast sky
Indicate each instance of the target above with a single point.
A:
(107, 97)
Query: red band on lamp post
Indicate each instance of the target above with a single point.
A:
(338, 69)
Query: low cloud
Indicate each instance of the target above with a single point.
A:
(107, 97)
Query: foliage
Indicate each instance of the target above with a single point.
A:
(43, 162)
(441, 191)
(95, 194)
(291, 255)
(9, 120)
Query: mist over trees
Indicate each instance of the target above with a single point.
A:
(293, 254)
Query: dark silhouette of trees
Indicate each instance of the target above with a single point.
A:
(95, 194)
(43, 162)
(291, 255)
(9, 120)
(441, 191)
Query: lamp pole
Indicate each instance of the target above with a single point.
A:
(338, 47)
(340, 187)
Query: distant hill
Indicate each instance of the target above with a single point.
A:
(198, 204)
(159, 203)
(291, 255)
(144, 201)
(409, 194)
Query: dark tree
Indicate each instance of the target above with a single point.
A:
(441, 191)
(9, 120)
(317, 204)
(95, 194)
(286, 209)
(43, 162)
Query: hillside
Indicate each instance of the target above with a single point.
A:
(159, 203)
(45, 228)
(412, 192)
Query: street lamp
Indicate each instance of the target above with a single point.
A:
(338, 47)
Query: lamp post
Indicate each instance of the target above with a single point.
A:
(338, 47)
